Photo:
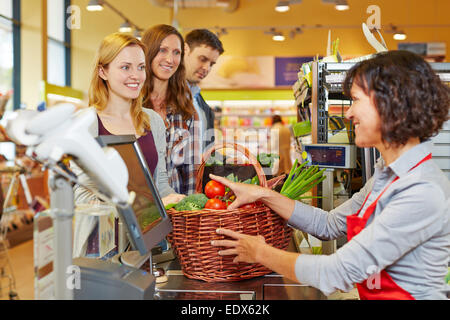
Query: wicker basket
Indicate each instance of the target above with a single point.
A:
(193, 232)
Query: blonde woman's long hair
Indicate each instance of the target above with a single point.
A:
(98, 89)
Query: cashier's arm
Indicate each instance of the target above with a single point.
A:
(248, 193)
(253, 249)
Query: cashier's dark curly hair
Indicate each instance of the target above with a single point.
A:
(411, 99)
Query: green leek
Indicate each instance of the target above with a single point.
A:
(301, 180)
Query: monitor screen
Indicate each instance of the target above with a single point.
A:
(146, 220)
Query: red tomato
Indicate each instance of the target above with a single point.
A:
(251, 205)
(214, 189)
(215, 204)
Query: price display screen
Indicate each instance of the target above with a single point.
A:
(327, 156)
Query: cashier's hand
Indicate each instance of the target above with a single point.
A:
(172, 198)
(245, 247)
(245, 193)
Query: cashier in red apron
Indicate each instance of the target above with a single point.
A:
(398, 224)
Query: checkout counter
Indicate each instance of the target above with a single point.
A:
(172, 284)
(138, 274)
(269, 287)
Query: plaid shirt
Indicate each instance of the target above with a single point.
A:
(183, 152)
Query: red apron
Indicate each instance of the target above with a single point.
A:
(386, 289)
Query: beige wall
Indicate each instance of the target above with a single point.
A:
(251, 14)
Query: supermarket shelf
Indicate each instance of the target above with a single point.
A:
(267, 105)
(256, 115)
(245, 127)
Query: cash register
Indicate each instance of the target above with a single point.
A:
(117, 167)
(146, 224)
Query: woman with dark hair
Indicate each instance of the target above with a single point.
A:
(166, 92)
(397, 225)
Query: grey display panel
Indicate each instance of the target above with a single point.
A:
(146, 219)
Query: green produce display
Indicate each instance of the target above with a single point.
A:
(301, 180)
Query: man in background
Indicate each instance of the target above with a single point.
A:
(202, 49)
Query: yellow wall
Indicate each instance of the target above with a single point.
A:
(96, 25)
(251, 14)
(31, 52)
(254, 13)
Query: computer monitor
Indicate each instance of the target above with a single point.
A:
(146, 220)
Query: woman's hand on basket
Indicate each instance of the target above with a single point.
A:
(245, 247)
(245, 193)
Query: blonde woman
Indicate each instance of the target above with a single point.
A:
(166, 91)
(115, 92)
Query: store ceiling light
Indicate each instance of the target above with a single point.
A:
(400, 35)
(95, 5)
(282, 6)
(278, 37)
(341, 5)
(125, 27)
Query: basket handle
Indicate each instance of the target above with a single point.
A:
(236, 147)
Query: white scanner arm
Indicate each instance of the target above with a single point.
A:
(58, 131)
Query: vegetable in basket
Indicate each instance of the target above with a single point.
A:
(221, 196)
(301, 180)
(267, 159)
(251, 205)
(195, 201)
(216, 204)
(214, 189)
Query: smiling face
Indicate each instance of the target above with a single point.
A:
(125, 75)
(199, 62)
(366, 119)
(168, 58)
